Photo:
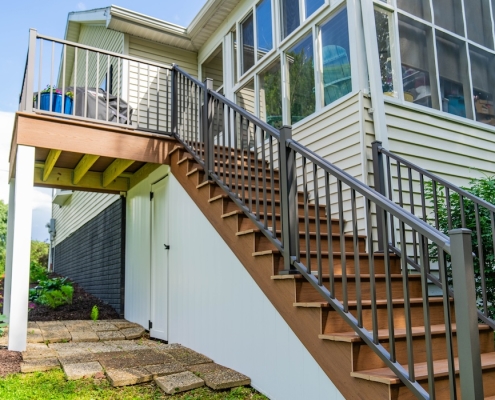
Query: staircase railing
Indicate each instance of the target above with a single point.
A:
(446, 207)
(261, 169)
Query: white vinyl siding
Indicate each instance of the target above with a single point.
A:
(335, 135)
(79, 208)
(103, 38)
(146, 82)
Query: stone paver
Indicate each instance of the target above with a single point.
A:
(34, 335)
(78, 325)
(99, 347)
(84, 336)
(218, 377)
(81, 370)
(37, 353)
(166, 369)
(177, 383)
(122, 324)
(56, 335)
(78, 358)
(128, 376)
(33, 325)
(188, 356)
(40, 364)
(134, 358)
(110, 335)
(126, 345)
(133, 333)
(103, 326)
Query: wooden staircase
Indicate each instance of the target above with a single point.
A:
(352, 366)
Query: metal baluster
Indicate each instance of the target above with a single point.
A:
(448, 323)
(371, 264)
(256, 172)
(51, 76)
(263, 172)
(390, 196)
(231, 150)
(481, 259)
(109, 88)
(40, 76)
(236, 154)
(449, 208)
(435, 203)
(331, 267)
(411, 201)
(128, 91)
(317, 226)
(119, 61)
(306, 215)
(97, 83)
(407, 302)
(399, 185)
(168, 103)
(248, 149)
(158, 99)
(74, 83)
(342, 245)
(357, 266)
(86, 86)
(64, 51)
(463, 213)
(388, 288)
(272, 176)
(241, 129)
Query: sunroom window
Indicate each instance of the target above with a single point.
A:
(247, 30)
(271, 95)
(385, 52)
(264, 27)
(483, 73)
(336, 59)
(292, 14)
(301, 79)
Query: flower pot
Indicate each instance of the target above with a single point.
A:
(68, 102)
(56, 102)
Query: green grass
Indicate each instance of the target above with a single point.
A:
(52, 385)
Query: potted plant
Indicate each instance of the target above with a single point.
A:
(68, 101)
(44, 103)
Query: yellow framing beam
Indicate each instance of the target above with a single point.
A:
(114, 170)
(142, 173)
(50, 162)
(83, 167)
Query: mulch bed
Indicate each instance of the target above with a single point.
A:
(10, 362)
(82, 303)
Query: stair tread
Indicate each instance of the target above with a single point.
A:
(349, 276)
(269, 215)
(349, 254)
(322, 234)
(379, 302)
(385, 375)
(353, 337)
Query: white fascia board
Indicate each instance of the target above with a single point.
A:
(96, 16)
(145, 20)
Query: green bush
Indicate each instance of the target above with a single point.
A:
(3, 324)
(483, 188)
(37, 272)
(52, 292)
(39, 252)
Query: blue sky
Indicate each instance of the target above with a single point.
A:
(50, 18)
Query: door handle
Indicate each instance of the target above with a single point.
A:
(167, 247)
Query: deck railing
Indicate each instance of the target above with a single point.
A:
(261, 168)
(85, 83)
(445, 206)
(273, 179)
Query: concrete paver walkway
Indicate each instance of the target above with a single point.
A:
(174, 368)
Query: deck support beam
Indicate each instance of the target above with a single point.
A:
(17, 274)
(114, 170)
(50, 162)
(83, 166)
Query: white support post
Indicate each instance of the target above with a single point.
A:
(10, 238)
(21, 246)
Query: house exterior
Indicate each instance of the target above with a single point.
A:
(415, 76)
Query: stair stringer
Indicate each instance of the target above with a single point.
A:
(335, 358)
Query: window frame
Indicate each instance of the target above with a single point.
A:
(466, 44)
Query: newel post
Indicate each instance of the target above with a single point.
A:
(379, 182)
(288, 198)
(29, 78)
(207, 118)
(466, 314)
(173, 106)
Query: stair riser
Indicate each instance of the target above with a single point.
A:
(247, 224)
(333, 323)
(251, 181)
(442, 388)
(364, 358)
(349, 266)
(349, 244)
(306, 293)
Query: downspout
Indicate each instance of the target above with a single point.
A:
(375, 79)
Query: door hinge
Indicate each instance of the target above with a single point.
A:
(150, 325)
(167, 247)
(151, 195)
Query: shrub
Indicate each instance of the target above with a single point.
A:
(483, 188)
(39, 252)
(37, 272)
(3, 324)
(52, 292)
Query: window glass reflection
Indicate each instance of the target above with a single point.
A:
(312, 6)
(247, 30)
(264, 27)
(384, 53)
(336, 59)
(271, 95)
(290, 16)
(301, 79)
(483, 76)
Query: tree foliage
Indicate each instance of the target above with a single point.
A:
(483, 188)
(39, 252)
(3, 235)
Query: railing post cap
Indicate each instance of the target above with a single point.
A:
(376, 142)
(286, 127)
(460, 231)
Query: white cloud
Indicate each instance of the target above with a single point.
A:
(81, 6)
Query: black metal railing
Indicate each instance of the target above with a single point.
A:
(272, 178)
(81, 82)
(445, 206)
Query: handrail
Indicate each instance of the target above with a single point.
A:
(380, 200)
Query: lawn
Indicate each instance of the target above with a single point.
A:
(52, 385)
